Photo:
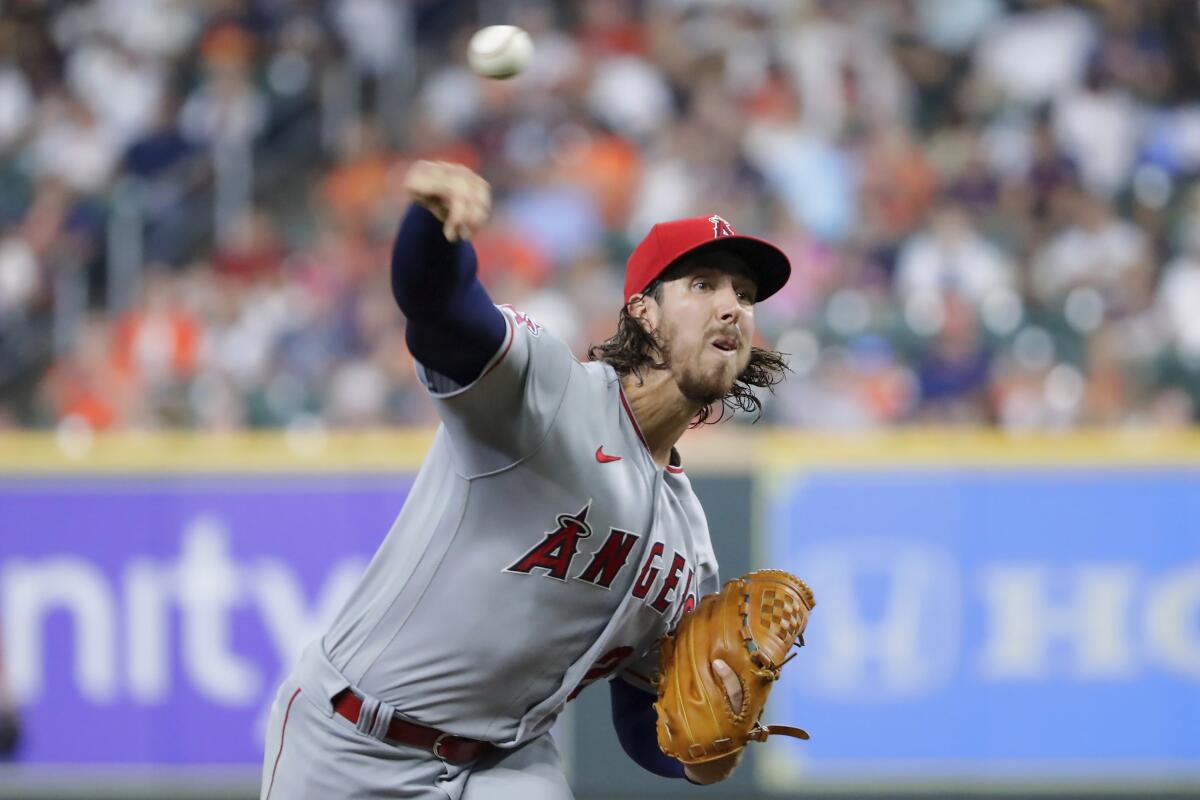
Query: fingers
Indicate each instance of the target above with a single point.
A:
(476, 201)
(469, 206)
(450, 226)
(459, 198)
(729, 680)
(461, 219)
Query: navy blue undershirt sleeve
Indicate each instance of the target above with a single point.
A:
(634, 719)
(453, 327)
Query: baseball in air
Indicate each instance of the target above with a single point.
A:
(499, 51)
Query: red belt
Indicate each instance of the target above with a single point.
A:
(448, 747)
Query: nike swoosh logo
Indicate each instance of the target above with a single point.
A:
(605, 458)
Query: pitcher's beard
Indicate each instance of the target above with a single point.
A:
(701, 392)
(699, 388)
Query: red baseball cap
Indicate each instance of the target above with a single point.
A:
(667, 242)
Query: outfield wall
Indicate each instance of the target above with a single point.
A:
(992, 611)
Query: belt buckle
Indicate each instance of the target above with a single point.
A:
(437, 746)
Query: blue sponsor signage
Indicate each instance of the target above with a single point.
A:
(991, 623)
(151, 620)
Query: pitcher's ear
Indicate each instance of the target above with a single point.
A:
(638, 307)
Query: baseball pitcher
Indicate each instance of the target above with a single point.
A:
(551, 538)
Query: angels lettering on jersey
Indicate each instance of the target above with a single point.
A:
(656, 585)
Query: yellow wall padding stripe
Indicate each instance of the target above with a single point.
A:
(716, 450)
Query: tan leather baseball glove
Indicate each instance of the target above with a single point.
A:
(750, 624)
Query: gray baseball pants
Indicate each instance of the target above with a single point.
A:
(311, 753)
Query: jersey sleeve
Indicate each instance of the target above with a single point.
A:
(504, 415)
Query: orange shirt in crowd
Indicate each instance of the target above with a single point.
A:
(147, 341)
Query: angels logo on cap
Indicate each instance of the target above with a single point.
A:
(667, 242)
(721, 227)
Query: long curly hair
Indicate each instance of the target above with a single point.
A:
(633, 349)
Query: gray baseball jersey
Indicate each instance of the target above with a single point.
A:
(540, 549)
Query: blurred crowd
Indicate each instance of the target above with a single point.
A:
(990, 206)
